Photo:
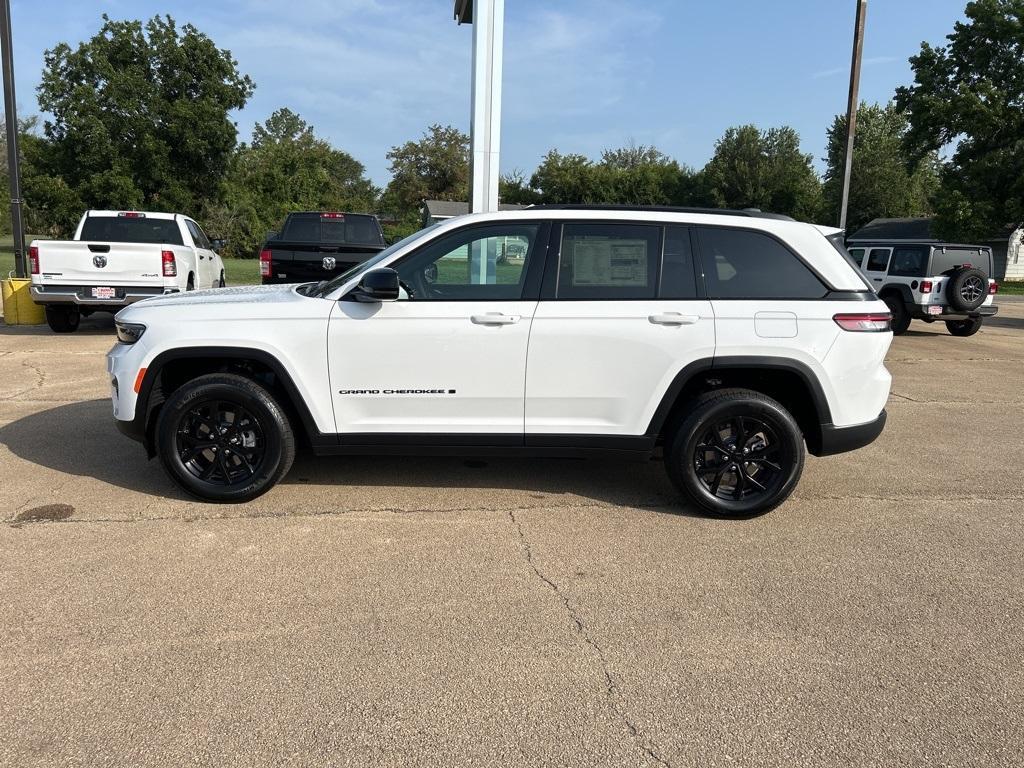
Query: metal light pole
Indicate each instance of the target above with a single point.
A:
(851, 107)
(487, 18)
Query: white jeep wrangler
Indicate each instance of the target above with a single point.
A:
(934, 281)
(726, 340)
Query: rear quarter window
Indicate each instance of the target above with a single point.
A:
(909, 261)
(744, 264)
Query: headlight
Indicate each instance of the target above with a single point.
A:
(129, 333)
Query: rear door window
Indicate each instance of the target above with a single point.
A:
(678, 278)
(609, 261)
(878, 260)
(744, 264)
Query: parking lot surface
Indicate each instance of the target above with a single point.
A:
(435, 612)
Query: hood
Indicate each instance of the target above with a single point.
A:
(242, 294)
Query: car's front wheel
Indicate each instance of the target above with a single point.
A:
(737, 453)
(966, 327)
(224, 438)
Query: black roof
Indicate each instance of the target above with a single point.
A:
(918, 229)
(749, 212)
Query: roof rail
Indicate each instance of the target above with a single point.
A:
(753, 213)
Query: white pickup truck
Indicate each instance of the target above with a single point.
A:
(117, 258)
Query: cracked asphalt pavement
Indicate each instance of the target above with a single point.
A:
(435, 611)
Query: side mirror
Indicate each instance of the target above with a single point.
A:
(377, 285)
(272, 235)
(218, 243)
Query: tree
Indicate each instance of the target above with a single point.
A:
(285, 168)
(139, 117)
(436, 168)
(886, 181)
(766, 170)
(970, 94)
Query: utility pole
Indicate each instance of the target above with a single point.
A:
(488, 20)
(851, 107)
(11, 111)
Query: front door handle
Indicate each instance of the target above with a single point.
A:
(494, 318)
(673, 318)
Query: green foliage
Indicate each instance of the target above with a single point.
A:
(436, 168)
(766, 170)
(886, 181)
(970, 94)
(515, 188)
(286, 168)
(632, 175)
(139, 120)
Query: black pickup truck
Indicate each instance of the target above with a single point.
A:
(315, 245)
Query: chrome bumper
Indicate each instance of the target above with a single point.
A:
(58, 294)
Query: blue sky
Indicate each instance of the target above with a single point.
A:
(580, 75)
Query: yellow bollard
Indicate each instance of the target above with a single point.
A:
(19, 309)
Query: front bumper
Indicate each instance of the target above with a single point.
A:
(842, 439)
(81, 295)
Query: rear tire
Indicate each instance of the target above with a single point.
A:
(190, 285)
(221, 284)
(736, 454)
(898, 310)
(224, 438)
(63, 319)
(966, 327)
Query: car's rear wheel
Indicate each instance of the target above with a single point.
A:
(224, 438)
(898, 310)
(63, 319)
(737, 453)
(221, 283)
(966, 327)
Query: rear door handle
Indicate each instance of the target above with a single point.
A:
(494, 318)
(673, 318)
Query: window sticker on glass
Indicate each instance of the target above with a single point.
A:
(601, 262)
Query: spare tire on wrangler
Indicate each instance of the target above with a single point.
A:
(966, 289)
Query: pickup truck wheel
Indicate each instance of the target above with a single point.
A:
(222, 284)
(63, 319)
(191, 284)
(966, 327)
(737, 453)
(224, 438)
(900, 316)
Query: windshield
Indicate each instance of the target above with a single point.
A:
(344, 277)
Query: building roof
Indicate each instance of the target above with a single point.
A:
(443, 209)
(917, 229)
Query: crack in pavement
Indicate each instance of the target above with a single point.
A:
(611, 689)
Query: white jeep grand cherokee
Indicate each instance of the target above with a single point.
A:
(729, 340)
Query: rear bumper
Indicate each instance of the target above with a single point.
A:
(842, 439)
(79, 295)
(920, 313)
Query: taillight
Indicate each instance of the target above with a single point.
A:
(993, 288)
(865, 322)
(265, 262)
(33, 259)
(926, 286)
(170, 265)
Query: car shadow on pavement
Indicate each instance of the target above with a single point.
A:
(81, 439)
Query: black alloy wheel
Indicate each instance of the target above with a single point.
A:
(220, 442)
(737, 453)
(739, 459)
(223, 437)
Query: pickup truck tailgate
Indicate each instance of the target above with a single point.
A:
(73, 263)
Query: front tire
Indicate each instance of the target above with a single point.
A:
(224, 438)
(736, 454)
(63, 319)
(900, 316)
(966, 327)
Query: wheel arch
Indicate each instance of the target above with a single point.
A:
(793, 383)
(174, 368)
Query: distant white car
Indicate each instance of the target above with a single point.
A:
(117, 258)
(727, 340)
